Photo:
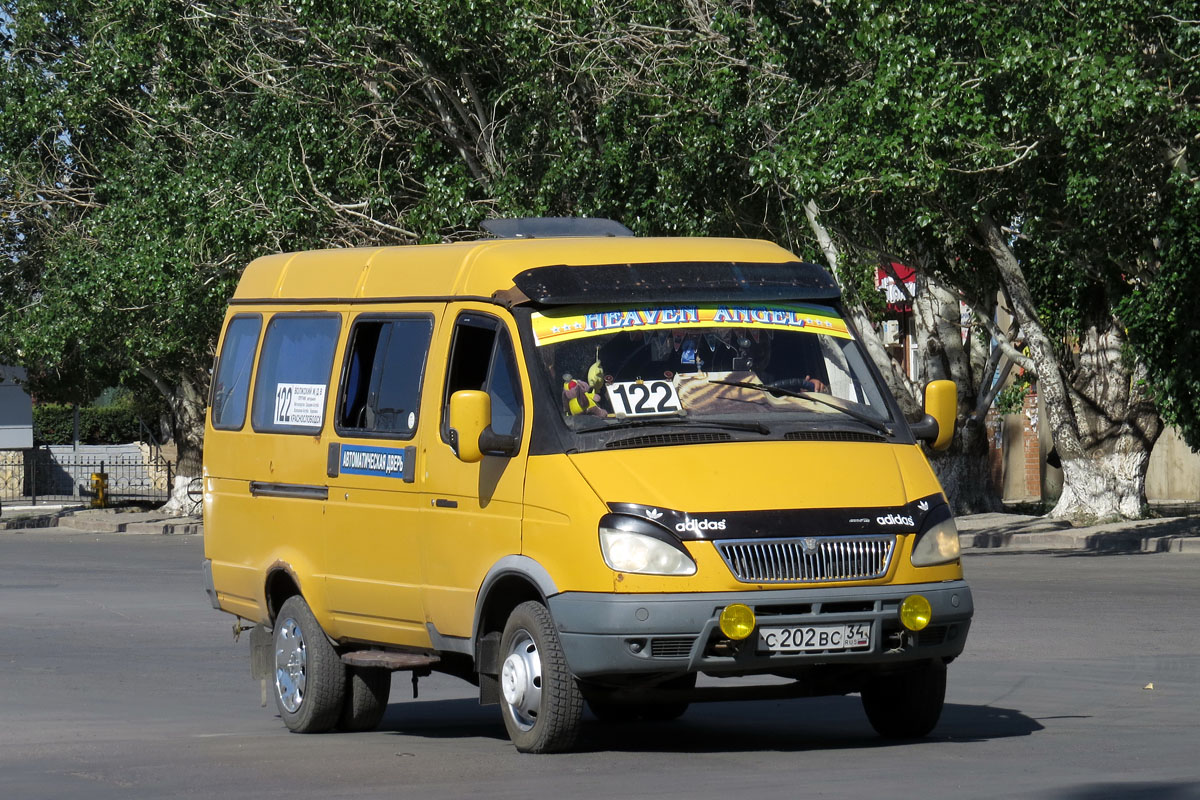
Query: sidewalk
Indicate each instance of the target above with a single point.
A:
(978, 533)
(97, 520)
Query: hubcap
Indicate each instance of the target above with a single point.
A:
(290, 665)
(521, 680)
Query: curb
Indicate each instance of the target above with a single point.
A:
(1076, 542)
(106, 522)
(182, 526)
(28, 523)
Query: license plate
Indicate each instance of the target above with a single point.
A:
(815, 638)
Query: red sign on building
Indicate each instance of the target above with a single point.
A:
(899, 300)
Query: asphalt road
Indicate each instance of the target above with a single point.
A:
(117, 680)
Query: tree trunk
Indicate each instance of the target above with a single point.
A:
(1102, 422)
(1108, 483)
(963, 468)
(187, 404)
(1118, 426)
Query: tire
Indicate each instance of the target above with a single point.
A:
(310, 679)
(367, 691)
(610, 711)
(906, 705)
(540, 700)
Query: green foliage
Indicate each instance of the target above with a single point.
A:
(151, 148)
(55, 424)
(1163, 324)
(1011, 399)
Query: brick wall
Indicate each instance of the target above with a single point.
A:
(1031, 448)
(1015, 455)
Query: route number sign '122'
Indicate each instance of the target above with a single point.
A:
(643, 399)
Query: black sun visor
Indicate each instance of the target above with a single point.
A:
(677, 281)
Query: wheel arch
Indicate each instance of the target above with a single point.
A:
(280, 584)
(512, 581)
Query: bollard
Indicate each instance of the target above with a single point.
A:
(99, 490)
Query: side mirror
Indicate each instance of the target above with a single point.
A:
(470, 415)
(471, 433)
(941, 410)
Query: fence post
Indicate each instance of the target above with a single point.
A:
(31, 455)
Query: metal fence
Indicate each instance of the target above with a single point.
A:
(42, 476)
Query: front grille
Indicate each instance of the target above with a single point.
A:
(672, 647)
(809, 559)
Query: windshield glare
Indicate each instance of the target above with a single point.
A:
(662, 362)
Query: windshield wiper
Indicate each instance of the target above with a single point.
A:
(753, 427)
(866, 419)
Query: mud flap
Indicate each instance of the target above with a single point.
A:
(260, 652)
(487, 661)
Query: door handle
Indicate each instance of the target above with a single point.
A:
(442, 502)
(333, 462)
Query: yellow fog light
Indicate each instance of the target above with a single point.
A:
(915, 612)
(737, 621)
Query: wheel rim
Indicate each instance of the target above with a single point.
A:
(521, 680)
(291, 660)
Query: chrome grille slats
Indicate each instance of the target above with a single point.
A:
(829, 559)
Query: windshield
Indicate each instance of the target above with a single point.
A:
(713, 363)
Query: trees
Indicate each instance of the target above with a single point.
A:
(1022, 148)
(152, 147)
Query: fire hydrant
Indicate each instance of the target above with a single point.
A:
(99, 490)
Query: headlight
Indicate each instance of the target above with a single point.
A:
(627, 551)
(937, 545)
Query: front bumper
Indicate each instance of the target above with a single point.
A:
(612, 634)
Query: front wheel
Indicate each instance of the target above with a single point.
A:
(906, 705)
(310, 679)
(542, 705)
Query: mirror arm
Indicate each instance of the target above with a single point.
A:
(494, 443)
(925, 429)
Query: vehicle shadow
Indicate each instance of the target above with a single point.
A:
(825, 723)
(1133, 791)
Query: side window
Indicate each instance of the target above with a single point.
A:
(482, 357)
(381, 391)
(231, 383)
(293, 373)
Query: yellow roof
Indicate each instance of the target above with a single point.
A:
(470, 268)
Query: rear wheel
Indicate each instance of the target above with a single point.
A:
(541, 703)
(906, 705)
(310, 679)
(367, 691)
